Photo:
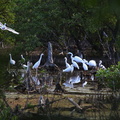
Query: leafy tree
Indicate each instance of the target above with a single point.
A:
(7, 16)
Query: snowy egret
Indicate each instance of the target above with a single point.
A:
(66, 63)
(101, 66)
(11, 60)
(76, 58)
(4, 27)
(36, 65)
(69, 69)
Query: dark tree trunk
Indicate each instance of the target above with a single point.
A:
(49, 65)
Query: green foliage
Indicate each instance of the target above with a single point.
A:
(110, 77)
(5, 112)
(7, 16)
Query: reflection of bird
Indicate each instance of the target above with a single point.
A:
(76, 58)
(75, 79)
(69, 69)
(85, 83)
(67, 64)
(101, 66)
(11, 60)
(36, 65)
(4, 27)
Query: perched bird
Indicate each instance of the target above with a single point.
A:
(36, 65)
(92, 63)
(69, 69)
(11, 60)
(76, 58)
(85, 67)
(66, 63)
(85, 83)
(101, 66)
(4, 27)
(75, 64)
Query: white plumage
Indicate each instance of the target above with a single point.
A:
(11, 60)
(92, 63)
(75, 79)
(36, 65)
(69, 69)
(101, 66)
(85, 83)
(4, 27)
(22, 58)
(76, 58)
(66, 63)
(85, 67)
(75, 64)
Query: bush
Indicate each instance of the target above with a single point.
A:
(110, 77)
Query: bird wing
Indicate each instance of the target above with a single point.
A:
(11, 30)
(1, 24)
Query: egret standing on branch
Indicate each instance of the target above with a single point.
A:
(4, 27)
(36, 65)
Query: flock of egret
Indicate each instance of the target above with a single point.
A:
(69, 68)
(85, 64)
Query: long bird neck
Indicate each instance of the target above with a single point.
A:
(10, 57)
(40, 57)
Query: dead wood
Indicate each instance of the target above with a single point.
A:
(75, 104)
(50, 65)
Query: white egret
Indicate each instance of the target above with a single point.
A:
(11, 60)
(75, 79)
(85, 83)
(92, 63)
(75, 64)
(76, 58)
(69, 69)
(67, 84)
(101, 66)
(4, 27)
(85, 67)
(66, 63)
(36, 65)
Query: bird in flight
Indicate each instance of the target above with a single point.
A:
(4, 27)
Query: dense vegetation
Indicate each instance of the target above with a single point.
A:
(63, 23)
